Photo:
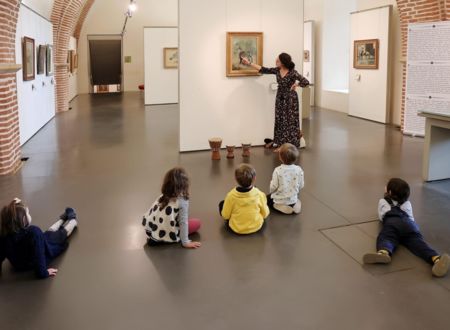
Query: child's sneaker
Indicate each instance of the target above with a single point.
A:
(286, 209)
(441, 265)
(70, 214)
(377, 258)
(297, 207)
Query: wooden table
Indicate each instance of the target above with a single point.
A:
(436, 155)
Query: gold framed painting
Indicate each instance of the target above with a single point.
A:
(243, 45)
(28, 59)
(365, 54)
(170, 58)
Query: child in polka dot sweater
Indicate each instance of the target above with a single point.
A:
(167, 220)
(287, 180)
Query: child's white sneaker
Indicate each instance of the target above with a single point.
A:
(286, 209)
(441, 265)
(297, 207)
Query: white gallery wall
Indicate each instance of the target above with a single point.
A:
(161, 84)
(107, 17)
(239, 109)
(314, 10)
(369, 96)
(36, 98)
(42, 7)
(309, 45)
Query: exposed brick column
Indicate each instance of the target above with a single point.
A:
(64, 17)
(9, 112)
(84, 12)
(416, 11)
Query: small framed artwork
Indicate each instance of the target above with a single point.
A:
(49, 60)
(42, 55)
(170, 58)
(28, 59)
(242, 45)
(365, 54)
(306, 56)
(75, 61)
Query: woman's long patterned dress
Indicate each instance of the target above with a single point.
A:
(287, 120)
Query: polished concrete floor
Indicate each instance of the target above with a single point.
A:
(106, 158)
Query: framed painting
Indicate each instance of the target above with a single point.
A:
(243, 45)
(365, 54)
(42, 55)
(306, 56)
(170, 58)
(28, 59)
(49, 60)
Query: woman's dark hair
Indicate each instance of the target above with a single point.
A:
(13, 218)
(176, 184)
(286, 60)
(398, 190)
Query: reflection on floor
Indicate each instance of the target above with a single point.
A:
(106, 158)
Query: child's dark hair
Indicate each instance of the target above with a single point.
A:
(13, 218)
(176, 184)
(398, 190)
(286, 60)
(288, 153)
(245, 174)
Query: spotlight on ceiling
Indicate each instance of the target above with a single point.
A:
(132, 6)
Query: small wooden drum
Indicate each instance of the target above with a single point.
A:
(215, 144)
(246, 149)
(230, 152)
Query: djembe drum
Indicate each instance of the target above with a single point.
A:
(215, 144)
(230, 152)
(246, 149)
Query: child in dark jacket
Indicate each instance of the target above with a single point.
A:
(399, 227)
(26, 246)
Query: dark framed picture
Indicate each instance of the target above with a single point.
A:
(365, 54)
(28, 59)
(41, 59)
(49, 60)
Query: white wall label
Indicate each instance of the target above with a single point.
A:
(428, 72)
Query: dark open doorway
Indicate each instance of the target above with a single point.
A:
(105, 63)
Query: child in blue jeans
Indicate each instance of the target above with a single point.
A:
(399, 227)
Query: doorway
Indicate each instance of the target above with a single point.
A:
(105, 63)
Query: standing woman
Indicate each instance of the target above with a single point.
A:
(287, 120)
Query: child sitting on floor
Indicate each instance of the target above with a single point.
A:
(287, 180)
(245, 207)
(167, 220)
(26, 246)
(399, 227)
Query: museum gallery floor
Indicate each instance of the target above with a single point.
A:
(107, 156)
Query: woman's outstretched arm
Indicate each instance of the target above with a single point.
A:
(245, 61)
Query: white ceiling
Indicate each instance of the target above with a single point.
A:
(43, 7)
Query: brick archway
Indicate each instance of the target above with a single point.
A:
(67, 18)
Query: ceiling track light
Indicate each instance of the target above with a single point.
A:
(128, 14)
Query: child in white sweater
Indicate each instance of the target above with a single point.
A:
(287, 180)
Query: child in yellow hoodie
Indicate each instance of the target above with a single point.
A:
(245, 207)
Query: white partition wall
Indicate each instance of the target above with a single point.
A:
(36, 98)
(236, 109)
(369, 89)
(161, 84)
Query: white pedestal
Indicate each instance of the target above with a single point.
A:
(436, 155)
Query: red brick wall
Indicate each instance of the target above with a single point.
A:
(87, 6)
(9, 115)
(415, 11)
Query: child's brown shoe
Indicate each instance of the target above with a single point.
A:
(441, 265)
(377, 258)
